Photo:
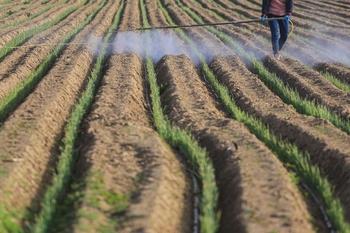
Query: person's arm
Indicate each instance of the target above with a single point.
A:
(289, 7)
(264, 8)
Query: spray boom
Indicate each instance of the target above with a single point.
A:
(204, 24)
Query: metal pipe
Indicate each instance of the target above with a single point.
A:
(201, 25)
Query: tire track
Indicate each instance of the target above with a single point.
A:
(246, 171)
(29, 137)
(326, 145)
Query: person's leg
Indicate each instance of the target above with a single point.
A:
(275, 35)
(284, 30)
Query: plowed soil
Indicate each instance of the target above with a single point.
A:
(125, 177)
(310, 84)
(326, 144)
(247, 172)
(338, 70)
(123, 152)
(33, 128)
(18, 65)
(24, 12)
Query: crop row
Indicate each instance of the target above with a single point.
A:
(220, 14)
(287, 152)
(18, 22)
(330, 77)
(286, 93)
(66, 162)
(24, 36)
(187, 145)
(295, 160)
(18, 93)
(9, 220)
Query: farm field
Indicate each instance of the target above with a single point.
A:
(108, 128)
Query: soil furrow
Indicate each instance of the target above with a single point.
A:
(310, 10)
(200, 35)
(220, 12)
(316, 6)
(295, 43)
(29, 137)
(304, 105)
(8, 35)
(14, 10)
(325, 5)
(120, 149)
(154, 14)
(337, 20)
(248, 120)
(18, 65)
(338, 70)
(310, 85)
(294, 47)
(247, 172)
(317, 37)
(234, 13)
(34, 16)
(245, 34)
(23, 12)
(326, 144)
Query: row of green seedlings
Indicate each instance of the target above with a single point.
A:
(7, 223)
(22, 37)
(6, 2)
(220, 16)
(12, 11)
(331, 78)
(67, 158)
(24, 88)
(296, 160)
(287, 94)
(302, 37)
(187, 145)
(16, 23)
(336, 82)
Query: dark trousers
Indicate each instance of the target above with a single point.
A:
(279, 33)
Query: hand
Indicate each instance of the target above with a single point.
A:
(263, 19)
(288, 17)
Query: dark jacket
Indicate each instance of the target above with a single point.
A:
(266, 6)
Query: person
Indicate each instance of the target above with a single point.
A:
(279, 27)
